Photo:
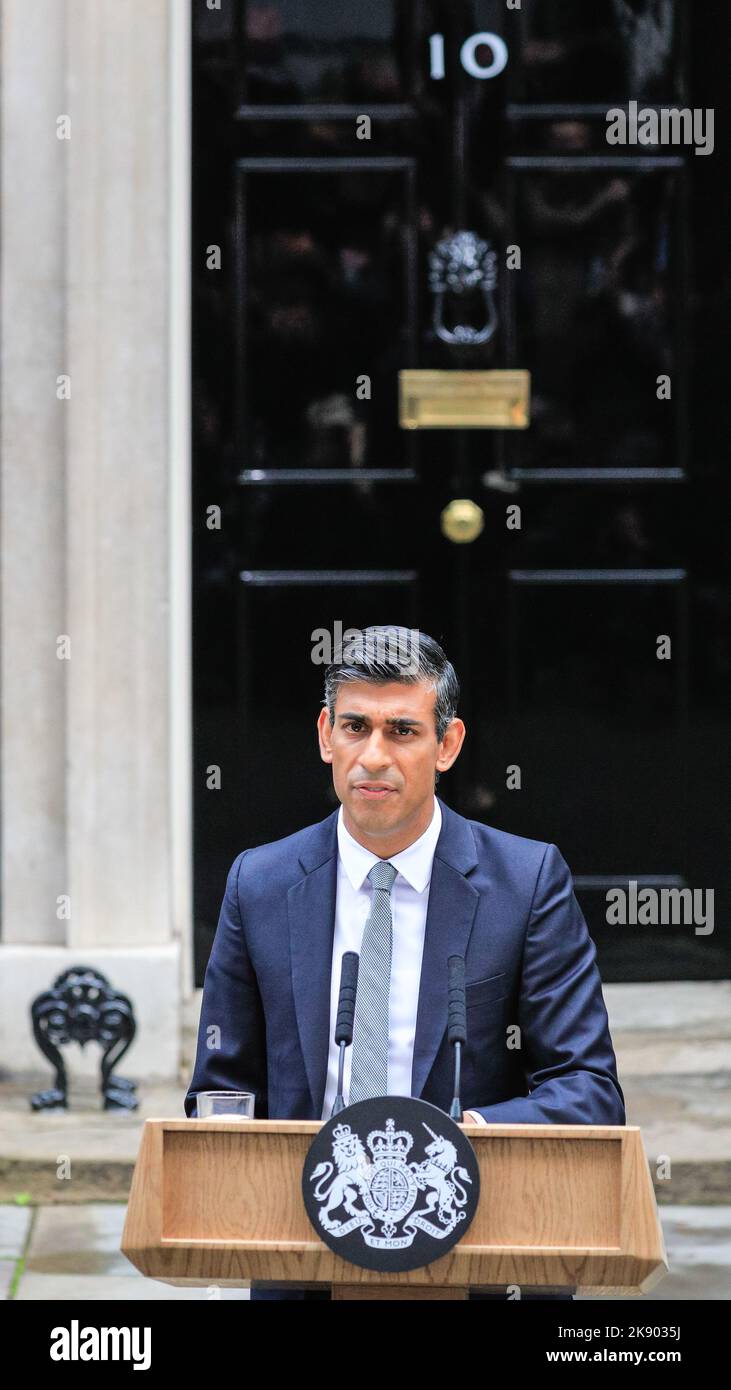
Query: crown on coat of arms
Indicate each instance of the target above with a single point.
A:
(389, 1143)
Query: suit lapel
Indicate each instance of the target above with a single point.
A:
(449, 918)
(311, 911)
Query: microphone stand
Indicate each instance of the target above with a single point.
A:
(344, 1021)
(457, 1024)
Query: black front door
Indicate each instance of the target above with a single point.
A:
(382, 187)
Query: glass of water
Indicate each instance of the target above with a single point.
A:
(225, 1105)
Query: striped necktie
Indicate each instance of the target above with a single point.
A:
(369, 1068)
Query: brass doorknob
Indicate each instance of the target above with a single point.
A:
(462, 521)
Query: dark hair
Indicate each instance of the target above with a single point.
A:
(381, 654)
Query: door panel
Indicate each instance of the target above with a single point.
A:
(599, 309)
(326, 289)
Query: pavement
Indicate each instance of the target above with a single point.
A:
(72, 1252)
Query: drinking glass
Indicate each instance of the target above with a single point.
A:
(225, 1105)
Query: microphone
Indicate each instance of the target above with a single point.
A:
(457, 1026)
(344, 1020)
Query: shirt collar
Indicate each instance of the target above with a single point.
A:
(414, 863)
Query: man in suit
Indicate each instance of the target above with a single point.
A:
(399, 877)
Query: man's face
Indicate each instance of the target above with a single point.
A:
(384, 753)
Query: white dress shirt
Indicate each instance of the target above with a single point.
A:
(409, 900)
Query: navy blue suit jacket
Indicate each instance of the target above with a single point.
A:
(504, 902)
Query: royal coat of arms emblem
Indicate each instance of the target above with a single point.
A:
(391, 1183)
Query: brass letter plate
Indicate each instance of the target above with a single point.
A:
(445, 400)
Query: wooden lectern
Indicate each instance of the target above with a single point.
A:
(219, 1201)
